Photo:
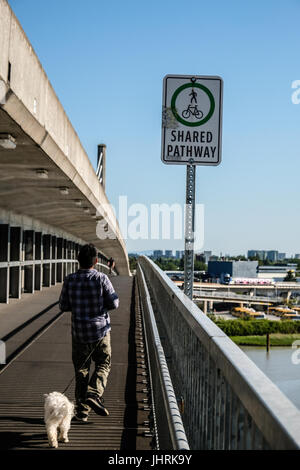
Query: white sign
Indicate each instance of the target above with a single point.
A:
(192, 120)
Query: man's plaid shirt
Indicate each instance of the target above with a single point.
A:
(89, 295)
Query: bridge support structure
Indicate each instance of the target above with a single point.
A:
(34, 255)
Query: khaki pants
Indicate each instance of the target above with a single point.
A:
(97, 383)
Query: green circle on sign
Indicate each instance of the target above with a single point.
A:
(211, 99)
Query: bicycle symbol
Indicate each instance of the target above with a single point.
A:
(192, 110)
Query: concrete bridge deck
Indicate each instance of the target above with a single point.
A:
(47, 181)
(46, 366)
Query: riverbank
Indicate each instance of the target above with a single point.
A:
(276, 339)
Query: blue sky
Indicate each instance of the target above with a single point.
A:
(106, 62)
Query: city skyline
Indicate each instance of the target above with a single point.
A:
(214, 254)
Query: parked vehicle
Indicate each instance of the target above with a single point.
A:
(244, 312)
(251, 281)
(225, 278)
(290, 316)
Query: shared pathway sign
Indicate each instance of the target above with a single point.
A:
(192, 120)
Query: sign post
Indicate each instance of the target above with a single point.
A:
(191, 135)
(189, 230)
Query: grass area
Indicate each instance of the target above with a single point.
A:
(276, 339)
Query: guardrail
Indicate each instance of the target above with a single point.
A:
(170, 433)
(229, 403)
(232, 295)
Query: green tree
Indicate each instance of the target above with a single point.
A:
(199, 266)
(132, 263)
(290, 277)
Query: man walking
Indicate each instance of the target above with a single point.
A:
(89, 294)
(111, 265)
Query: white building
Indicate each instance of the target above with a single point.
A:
(276, 273)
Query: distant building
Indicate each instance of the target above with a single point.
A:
(282, 256)
(204, 257)
(297, 256)
(276, 273)
(207, 256)
(261, 254)
(157, 254)
(272, 255)
(179, 254)
(233, 268)
(169, 254)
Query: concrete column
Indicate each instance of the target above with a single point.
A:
(46, 247)
(15, 282)
(4, 258)
(4, 242)
(22, 259)
(29, 250)
(15, 256)
(205, 307)
(15, 243)
(53, 259)
(29, 246)
(38, 257)
(4, 285)
(101, 164)
(46, 260)
(65, 253)
(69, 257)
(75, 256)
(72, 256)
(59, 254)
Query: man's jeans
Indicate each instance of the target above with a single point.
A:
(97, 383)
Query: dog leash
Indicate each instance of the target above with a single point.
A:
(86, 359)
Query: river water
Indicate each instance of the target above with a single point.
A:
(278, 365)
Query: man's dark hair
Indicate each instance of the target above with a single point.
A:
(86, 256)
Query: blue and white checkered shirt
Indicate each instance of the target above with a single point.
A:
(88, 294)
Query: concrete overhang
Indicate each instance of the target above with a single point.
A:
(31, 113)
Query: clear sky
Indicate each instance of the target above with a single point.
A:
(106, 61)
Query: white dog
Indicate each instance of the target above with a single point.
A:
(58, 414)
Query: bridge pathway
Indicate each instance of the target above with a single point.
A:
(46, 366)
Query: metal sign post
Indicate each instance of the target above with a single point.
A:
(191, 135)
(189, 230)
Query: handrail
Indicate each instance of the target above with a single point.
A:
(174, 422)
(230, 402)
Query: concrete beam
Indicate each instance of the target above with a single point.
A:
(45, 138)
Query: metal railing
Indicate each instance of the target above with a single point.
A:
(229, 403)
(169, 429)
(198, 293)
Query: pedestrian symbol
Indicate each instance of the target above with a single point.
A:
(193, 95)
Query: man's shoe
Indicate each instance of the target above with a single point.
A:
(96, 404)
(82, 417)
